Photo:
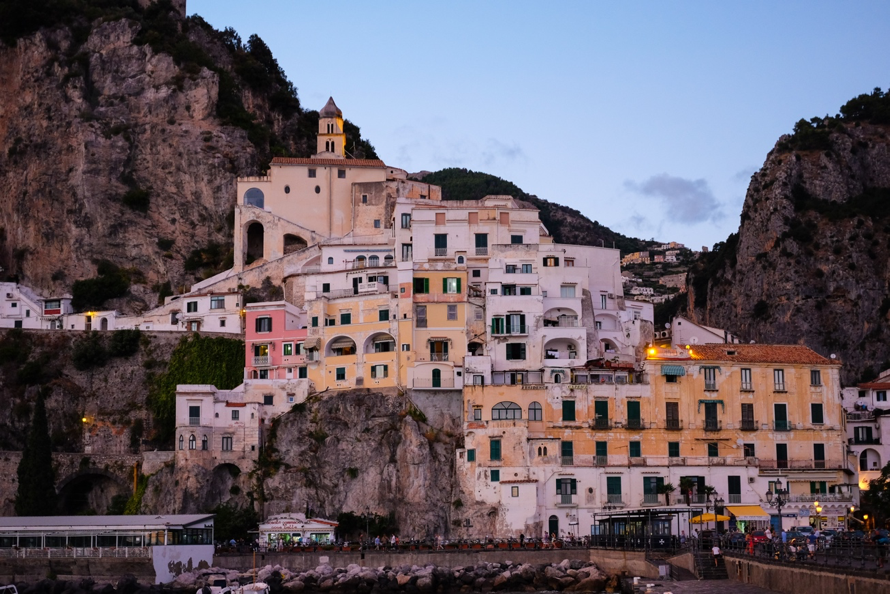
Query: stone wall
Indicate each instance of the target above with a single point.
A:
(100, 570)
(791, 580)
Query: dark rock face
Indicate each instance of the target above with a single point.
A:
(810, 261)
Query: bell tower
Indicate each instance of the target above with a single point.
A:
(331, 137)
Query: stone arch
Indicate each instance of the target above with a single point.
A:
(869, 459)
(103, 325)
(255, 246)
(341, 343)
(293, 243)
(474, 348)
(381, 338)
(89, 490)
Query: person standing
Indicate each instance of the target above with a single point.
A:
(522, 541)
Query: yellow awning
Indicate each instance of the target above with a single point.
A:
(705, 518)
(747, 512)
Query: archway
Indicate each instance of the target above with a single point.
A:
(103, 325)
(380, 342)
(474, 349)
(293, 243)
(224, 483)
(340, 346)
(90, 492)
(255, 242)
(553, 526)
(869, 459)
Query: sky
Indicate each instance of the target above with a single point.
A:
(649, 117)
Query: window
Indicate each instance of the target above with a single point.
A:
(315, 321)
(815, 377)
(325, 287)
(495, 475)
(535, 412)
(181, 442)
(193, 443)
(264, 374)
(551, 261)
(471, 455)
(494, 449)
(330, 260)
(635, 449)
(340, 374)
(494, 291)
(516, 239)
(382, 315)
(407, 252)
(779, 380)
(748, 450)
(345, 318)
(311, 172)
(236, 415)
(376, 223)
(881, 396)
(451, 286)
(452, 313)
(604, 301)
(479, 314)
(497, 326)
(477, 273)
(567, 291)
(406, 220)
(525, 290)
(748, 423)
(191, 307)
(568, 410)
(713, 450)
(673, 449)
(301, 372)
(746, 380)
(613, 489)
(420, 316)
(268, 399)
(710, 374)
(567, 450)
(406, 347)
(421, 285)
(514, 491)
(516, 324)
(341, 173)
(364, 198)
(222, 322)
(508, 290)
(816, 413)
(379, 371)
(204, 443)
(570, 262)
(818, 487)
(264, 324)
(819, 455)
(53, 304)
(227, 443)
(477, 413)
(510, 269)
(287, 349)
(217, 303)
(516, 351)
(13, 305)
(506, 411)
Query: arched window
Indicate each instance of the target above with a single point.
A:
(460, 259)
(863, 460)
(192, 442)
(254, 197)
(387, 260)
(181, 442)
(327, 145)
(539, 450)
(332, 146)
(505, 411)
(535, 413)
(373, 260)
(557, 378)
(360, 262)
(204, 443)
(545, 450)
(330, 260)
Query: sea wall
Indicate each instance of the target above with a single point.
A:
(791, 580)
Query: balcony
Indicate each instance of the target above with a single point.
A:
(636, 461)
(440, 252)
(602, 424)
(782, 425)
(600, 460)
(562, 322)
(263, 361)
(615, 499)
(481, 251)
(800, 464)
(748, 425)
(779, 388)
(635, 424)
(673, 425)
(438, 356)
(710, 386)
(747, 387)
(820, 497)
(424, 383)
(735, 498)
(651, 499)
(864, 441)
(861, 415)
(566, 499)
(567, 460)
(312, 356)
(713, 425)
(194, 421)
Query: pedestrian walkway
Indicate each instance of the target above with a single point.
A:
(699, 587)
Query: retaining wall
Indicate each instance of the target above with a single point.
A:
(107, 570)
(793, 580)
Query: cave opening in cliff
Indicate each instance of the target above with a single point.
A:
(293, 243)
(89, 494)
(255, 242)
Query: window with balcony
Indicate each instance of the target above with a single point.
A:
(379, 371)
(712, 423)
(236, 415)
(734, 489)
(440, 241)
(451, 286)
(779, 380)
(651, 487)
(819, 455)
(567, 451)
(438, 350)
(263, 324)
(516, 324)
(194, 415)
(613, 490)
(567, 291)
(710, 374)
(506, 411)
(601, 414)
(406, 220)
(815, 377)
(635, 448)
(481, 244)
(602, 452)
(535, 412)
(780, 412)
(191, 307)
(565, 488)
(568, 410)
(421, 285)
(526, 269)
(672, 416)
(673, 449)
(516, 351)
(420, 316)
(227, 443)
(217, 303)
(494, 450)
(816, 413)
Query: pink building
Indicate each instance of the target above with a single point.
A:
(274, 336)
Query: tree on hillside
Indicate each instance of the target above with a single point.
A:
(877, 497)
(36, 495)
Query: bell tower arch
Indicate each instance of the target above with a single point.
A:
(331, 137)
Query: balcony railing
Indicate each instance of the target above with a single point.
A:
(481, 251)
(710, 386)
(820, 497)
(782, 425)
(602, 424)
(713, 425)
(444, 383)
(312, 356)
(861, 415)
(747, 387)
(601, 460)
(562, 322)
(438, 356)
(673, 424)
(800, 464)
(193, 421)
(779, 388)
(735, 498)
(651, 499)
(565, 499)
(748, 425)
(506, 378)
(615, 499)
(261, 361)
(568, 460)
(635, 424)
(864, 441)
(440, 252)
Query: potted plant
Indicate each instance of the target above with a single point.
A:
(666, 489)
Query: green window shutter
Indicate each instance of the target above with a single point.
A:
(568, 449)
(426, 285)
(613, 485)
(301, 372)
(635, 449)
(818, 417)
(522, 351)
(558, 486)
(458, 284)
(574, 486)
(673, 449)
(522, 322)
(813, 487)
(495, 476)
(495, 450)
(471, 455)
(602, 448)
(315, 321)
(383, 315)
(633, 410)
(444, 285)
(568, 410)
(345, 319)
(601, 409)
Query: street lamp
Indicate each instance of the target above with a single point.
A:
(368, 523)
(777, 499)
(818, 516)
(718, 510)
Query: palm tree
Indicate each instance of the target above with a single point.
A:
(666, 489)
(708, 491)
(686, 487)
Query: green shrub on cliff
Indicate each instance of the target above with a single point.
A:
(196, 360)
(112, 282)
(36, 495)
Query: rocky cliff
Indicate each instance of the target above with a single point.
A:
(122, 130)
(809, 263)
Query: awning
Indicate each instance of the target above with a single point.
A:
(312, 342)
(747, 512)
(678, 370)
(705, 518)
(343, 343)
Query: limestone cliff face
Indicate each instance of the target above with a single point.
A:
(810, 261)
(84, 122)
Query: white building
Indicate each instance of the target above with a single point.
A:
(868, 432)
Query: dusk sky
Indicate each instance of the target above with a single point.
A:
(649, 117)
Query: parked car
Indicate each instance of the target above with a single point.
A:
(804, 529)
(759, 536)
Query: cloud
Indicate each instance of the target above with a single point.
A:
(745, 174)
(498, 151)
(686, 200)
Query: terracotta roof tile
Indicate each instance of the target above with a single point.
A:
(329, 162)
(760, 353)
(875, 386)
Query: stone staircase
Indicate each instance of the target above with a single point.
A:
(705, 568)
